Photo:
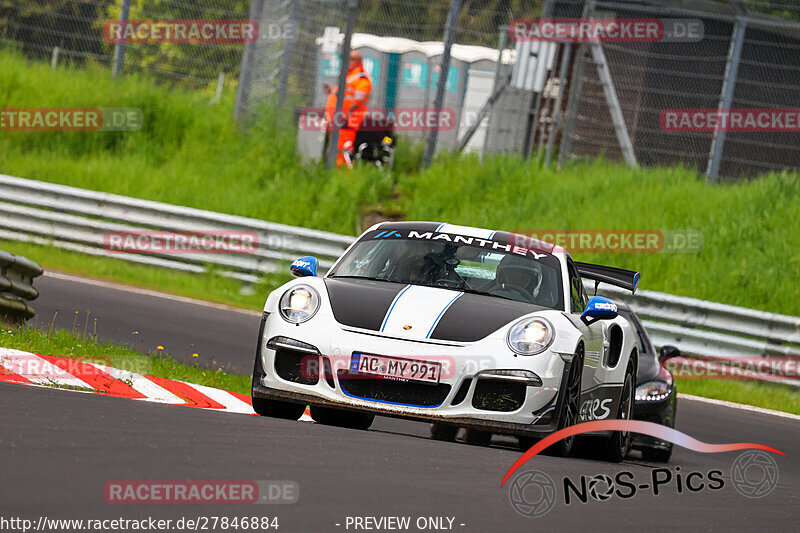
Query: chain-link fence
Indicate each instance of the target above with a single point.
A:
(562, 100)
(746, 61)
(402, 42)
(72, 31)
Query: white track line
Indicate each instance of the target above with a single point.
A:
(739, 406)
(146, 292)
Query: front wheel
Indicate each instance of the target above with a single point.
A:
(341, 418)
(278, 409)
(657, 455)
(526, 443)
(477, 437)
(570, 407)
(620, 441)
(444, 432)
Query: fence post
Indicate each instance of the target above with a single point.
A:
(220, 87)
(613, 104)
(534, 108)
(575, 88)
(449, 37)
(246, 71)
(119, 50)
(288, 49)
(501, 46)
(54, 58)
(549, 110)
(726, 96)
(555, 123)
(333, 144)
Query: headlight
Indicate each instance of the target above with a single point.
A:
(299, 304)
(653, 391)
(530, 336)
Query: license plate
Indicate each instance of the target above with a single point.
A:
(396, 368)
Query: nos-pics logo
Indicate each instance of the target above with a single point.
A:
(532, 493)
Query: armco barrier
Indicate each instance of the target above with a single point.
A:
(78, 219)
(16, 287)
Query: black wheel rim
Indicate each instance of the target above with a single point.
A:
(625, 409)
(573, 394)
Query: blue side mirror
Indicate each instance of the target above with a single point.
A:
(305, 266)
(599, 308)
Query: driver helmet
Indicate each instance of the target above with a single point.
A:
(521, 273)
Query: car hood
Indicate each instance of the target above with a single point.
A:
(418, 312)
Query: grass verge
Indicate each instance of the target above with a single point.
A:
(64, 344)
(750, 229)
(766, 395)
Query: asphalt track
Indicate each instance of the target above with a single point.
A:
(143, 320)
(59, 448)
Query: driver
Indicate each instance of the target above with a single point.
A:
(518, 274)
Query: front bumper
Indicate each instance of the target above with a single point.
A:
(531, 410)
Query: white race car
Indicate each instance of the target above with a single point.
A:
(457, 326)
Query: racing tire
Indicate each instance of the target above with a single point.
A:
(340, 418)
(278, 409)
(444, 432)
(571, 406)
(619, 443)
(657, 455)
(477, 437)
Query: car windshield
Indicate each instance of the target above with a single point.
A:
(534, 279)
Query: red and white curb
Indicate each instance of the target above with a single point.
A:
(44, 370)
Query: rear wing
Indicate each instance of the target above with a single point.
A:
(627, 279)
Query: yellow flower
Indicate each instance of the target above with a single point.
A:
(159, 347)
(195, 355)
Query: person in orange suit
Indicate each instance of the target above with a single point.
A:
(356, 100)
